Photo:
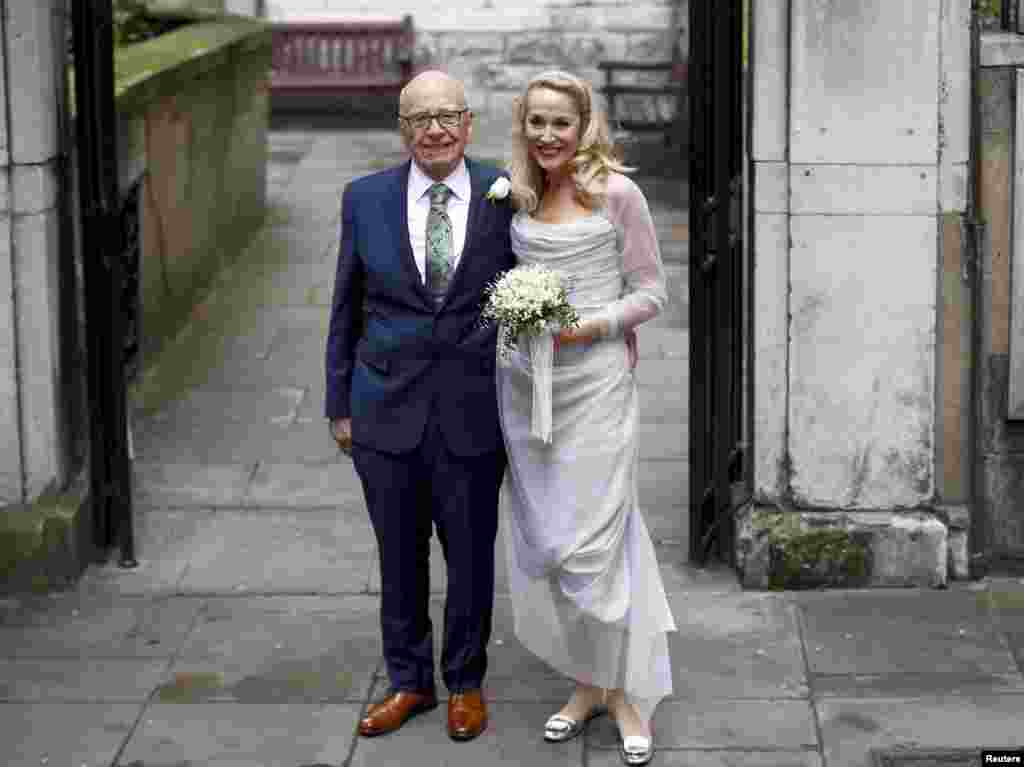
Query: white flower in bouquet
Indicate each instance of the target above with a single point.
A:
(527, 300)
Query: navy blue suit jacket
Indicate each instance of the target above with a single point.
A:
(390, 352)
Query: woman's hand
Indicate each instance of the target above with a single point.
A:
(589, 330)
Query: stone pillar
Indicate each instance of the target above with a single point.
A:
(858, 174)
(31, 92)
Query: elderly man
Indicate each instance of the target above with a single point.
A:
(411, 395)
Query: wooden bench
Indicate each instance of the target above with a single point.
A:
(349, 58)
(674, 86)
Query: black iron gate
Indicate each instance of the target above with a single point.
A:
(720, 465)
(103, 243)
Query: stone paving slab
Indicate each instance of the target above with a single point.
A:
(851, 728)
(165, 539)
(74, 734)
(656, 441)
(663, 343)
(668, 524)
(731, 758)
(58, 680)
(308, 551)
(323, 484)
(905, 630)
(916, 685)
(85, 626)
(195, 484)
(230, 442)
(324, 679)
(735, 647)
(722, 723)
(663, 482)
(220, 735)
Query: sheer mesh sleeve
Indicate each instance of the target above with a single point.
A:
(644, 292)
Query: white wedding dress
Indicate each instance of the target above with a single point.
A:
(586, 591)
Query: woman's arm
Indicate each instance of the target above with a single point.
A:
(645, 293)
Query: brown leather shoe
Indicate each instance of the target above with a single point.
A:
(392, 712)
(467, 715)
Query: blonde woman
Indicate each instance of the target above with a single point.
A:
(587, 594)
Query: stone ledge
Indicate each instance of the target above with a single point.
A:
(842, 549)
(47, 544)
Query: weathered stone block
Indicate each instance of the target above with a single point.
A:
(37, 254)
(34, 188)
(32, 67)
(802, 549)
(10, 447)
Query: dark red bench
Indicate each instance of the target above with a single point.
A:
(351, 58)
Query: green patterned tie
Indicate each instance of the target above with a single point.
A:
(439, 242)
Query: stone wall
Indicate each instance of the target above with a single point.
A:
(32, 312)
(496, 47)
(859, 194)
(194, 124)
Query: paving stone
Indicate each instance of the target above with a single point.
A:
(718, 723)
(663, 482)
(668, 374)
(511, 738)
(658, 442)
(236, 443)
(664, 343)
(735, 647)
(164, 541)
(731, 758)
(309, 551)
(851, 728)
(261, 631)
(667, 524)
(252, 734)
(83, 626)
(324, 679)
(915, 685)
(197, 484)
(327, 484)
(112, 680)
(234, 404)
(923, 630)
(40, 734)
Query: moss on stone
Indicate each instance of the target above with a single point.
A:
(802, 558)
(29, 535)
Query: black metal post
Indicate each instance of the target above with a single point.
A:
(96, 128)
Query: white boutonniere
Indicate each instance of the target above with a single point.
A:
(499, 189)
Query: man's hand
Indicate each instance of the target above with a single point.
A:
(341, 430)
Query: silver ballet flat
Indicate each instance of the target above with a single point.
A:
(636, 749)
(559, 728)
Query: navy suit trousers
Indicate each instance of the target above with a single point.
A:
(408, 494)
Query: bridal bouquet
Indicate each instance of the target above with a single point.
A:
(527, 300)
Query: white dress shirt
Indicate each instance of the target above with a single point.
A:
(419, 206)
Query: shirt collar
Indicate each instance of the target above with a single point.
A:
(458, 181)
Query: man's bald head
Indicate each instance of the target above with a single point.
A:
(428, 89)
(435, 123)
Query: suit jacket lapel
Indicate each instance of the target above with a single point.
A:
(400, 203)
(472, 224)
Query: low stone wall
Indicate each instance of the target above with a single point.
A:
(193, 108)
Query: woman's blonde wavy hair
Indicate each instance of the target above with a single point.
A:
(596, 153)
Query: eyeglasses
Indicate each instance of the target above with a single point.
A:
(446, 119)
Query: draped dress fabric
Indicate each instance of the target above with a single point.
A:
(586, 591)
